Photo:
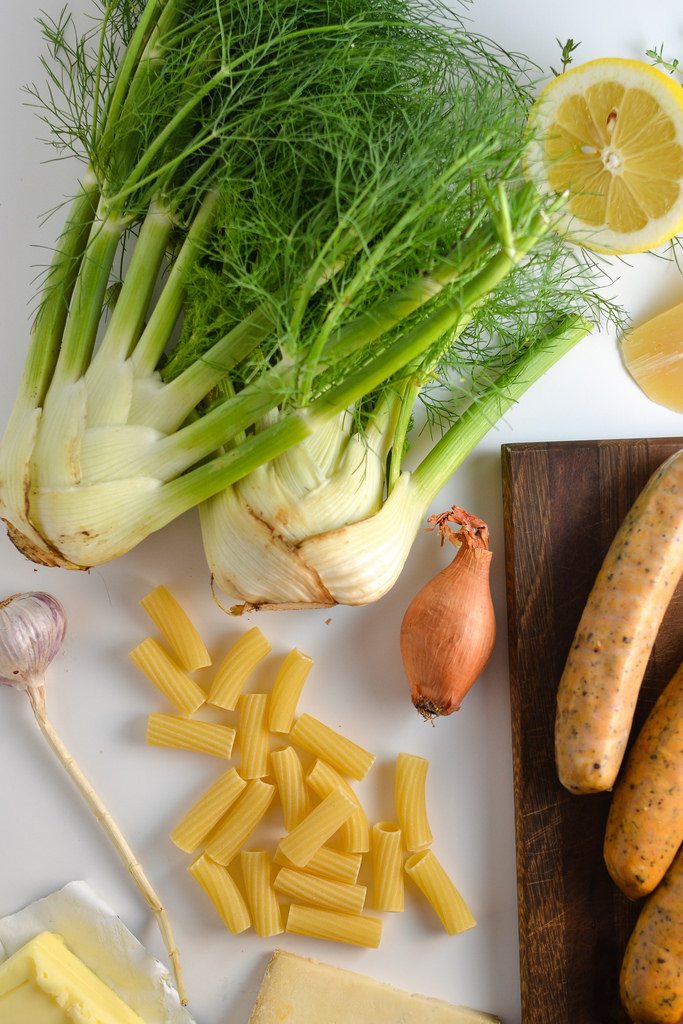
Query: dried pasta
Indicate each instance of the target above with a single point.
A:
(177, 628)
(220, 887)
(303, 887)
(387, 867)
(287, 688)
(160, 668)
(233, 831)
(354, 834)
(435, 884)
(316, 828)
(185, 734)
(329, 863)
(238, 663)
(343, 754)
(263, 905)
(207, 811)
(410, 798)
(253, 737)
(356, 930)
(289, 776)
(320, 881)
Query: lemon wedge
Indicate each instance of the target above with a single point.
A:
(653, 354)
(609, 134)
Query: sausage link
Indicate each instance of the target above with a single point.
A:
(651, 980)
(645, 822)
(600, 684)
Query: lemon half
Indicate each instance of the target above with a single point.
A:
(609, 133)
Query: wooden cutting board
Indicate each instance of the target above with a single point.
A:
(563, 503)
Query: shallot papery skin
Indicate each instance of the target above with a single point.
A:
(448, 633)
(32, 630)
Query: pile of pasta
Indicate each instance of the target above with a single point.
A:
(319, 805)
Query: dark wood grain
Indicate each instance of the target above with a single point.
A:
(563, 503)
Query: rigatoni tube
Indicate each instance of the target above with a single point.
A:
(300, 886)
(233, 831)
(207, 811)
(434, 883)
(329, 924)
(236, 666)
(289, 776)
(220, 887)
(329, 863)
(160, 668)
(316, 828)
(253, 737)
(387, 867)
(411, 802)
(263, 905)
(342, 753)
(186, 734)
(286, 691)
(179, 632)
(354, 834)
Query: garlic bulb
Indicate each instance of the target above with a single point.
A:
(32, 629)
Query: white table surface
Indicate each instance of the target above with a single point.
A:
(99, 703)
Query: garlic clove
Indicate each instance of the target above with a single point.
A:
(32, 630)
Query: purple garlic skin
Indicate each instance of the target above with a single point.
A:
(32, 630)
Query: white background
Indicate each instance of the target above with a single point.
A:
(99, 703)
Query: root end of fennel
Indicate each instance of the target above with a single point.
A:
(41, 554)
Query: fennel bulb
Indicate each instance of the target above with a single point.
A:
(323, 525)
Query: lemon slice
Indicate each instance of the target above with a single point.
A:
(609, 133)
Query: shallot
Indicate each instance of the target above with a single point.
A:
(449, 629)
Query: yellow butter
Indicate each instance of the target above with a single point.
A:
(300, 991)
(44, 983)
(27, 1003)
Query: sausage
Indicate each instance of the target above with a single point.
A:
(599, 687)
(651, 980)
(645, 821)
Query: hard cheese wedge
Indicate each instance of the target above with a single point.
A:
(300, 991)
(44, 983)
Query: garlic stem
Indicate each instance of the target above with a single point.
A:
(36, 696)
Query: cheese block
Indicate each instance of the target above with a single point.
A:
(44, 983)
(296, 990)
